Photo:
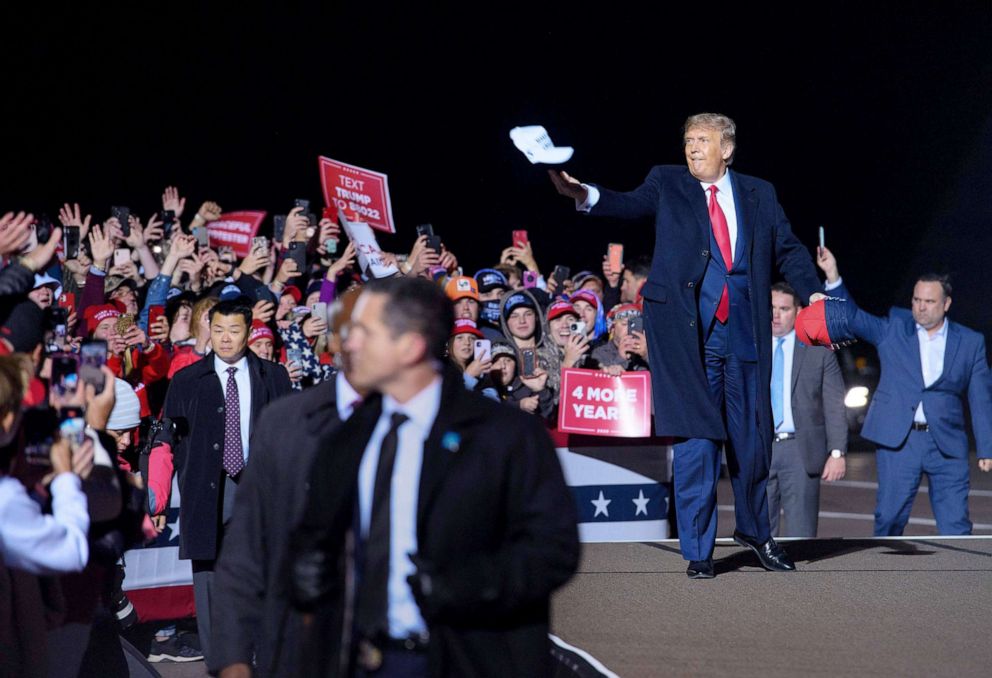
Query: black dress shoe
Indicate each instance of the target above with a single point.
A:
(700, 569)
(772, 556)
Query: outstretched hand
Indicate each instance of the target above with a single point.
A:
(828, 264)
(568, 186)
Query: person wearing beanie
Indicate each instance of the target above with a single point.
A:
(625, 351)
(261, 340)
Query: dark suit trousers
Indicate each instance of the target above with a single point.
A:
(899, 473)
(792, 489)
(733, 387)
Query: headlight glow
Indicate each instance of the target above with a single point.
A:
(856, 397)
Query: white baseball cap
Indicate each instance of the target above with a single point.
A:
(534, 142)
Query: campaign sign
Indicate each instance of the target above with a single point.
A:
(594, 403)
(235, 229)
(362, 191)
(369, 255)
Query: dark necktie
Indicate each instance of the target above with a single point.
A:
(718, 221)
(234, 459)
(374, 589)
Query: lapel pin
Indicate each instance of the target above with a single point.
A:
(451, 441)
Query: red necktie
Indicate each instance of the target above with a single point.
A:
(718, 220)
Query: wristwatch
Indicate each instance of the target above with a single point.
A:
(836, 454)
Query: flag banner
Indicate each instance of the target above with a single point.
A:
(235, 230)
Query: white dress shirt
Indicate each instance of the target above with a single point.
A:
(39, 543)
(403, 614)
(724, 197)
(931, 360)
(347, 397)
(243, 379)
(788, 424)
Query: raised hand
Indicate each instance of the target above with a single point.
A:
(101, 246)
(295, 222)
(576, 346)
(72, 216)
(448, 260)
(568, 186)
(158, 331)
(537, 381)
(209, 211)
(347, 259)
(15, 232)
(828, 264)
(172, 201)
(39, 257)
(136, 238)
(257, 259)
(612, 277)
(154, 231)
(263, 310)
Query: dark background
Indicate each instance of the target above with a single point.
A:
(872, 120)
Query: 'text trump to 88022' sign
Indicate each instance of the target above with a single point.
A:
(594, 403)
(353, 189)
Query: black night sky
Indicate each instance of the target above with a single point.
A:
(872, 119)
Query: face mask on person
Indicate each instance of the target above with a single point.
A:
(489, 313)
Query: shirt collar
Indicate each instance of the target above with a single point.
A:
(789, 338)
(347, 397)
(220, 367)
(722, 184)
(941, 333)
(422, 408)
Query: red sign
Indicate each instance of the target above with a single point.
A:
(594, 403)
(362, 191)
(235, 229)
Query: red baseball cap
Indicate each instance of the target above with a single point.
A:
(466, 326)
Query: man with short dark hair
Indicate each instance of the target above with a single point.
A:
(810, 441)
(456, 507)
(215, 402)
(916, 416)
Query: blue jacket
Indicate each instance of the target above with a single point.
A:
(900, 389)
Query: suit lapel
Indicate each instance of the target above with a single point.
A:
(798, 355)
(441, 449)
(696, 199)
(950, 349)
(256, 374)
(744, 204)
(914, 350)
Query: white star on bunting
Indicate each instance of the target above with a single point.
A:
(641, 503)
(601, 505)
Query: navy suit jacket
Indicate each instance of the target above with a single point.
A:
(901, 387)
(678, 309)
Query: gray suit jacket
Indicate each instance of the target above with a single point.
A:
(817, 405)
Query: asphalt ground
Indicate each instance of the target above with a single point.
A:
(856, 606)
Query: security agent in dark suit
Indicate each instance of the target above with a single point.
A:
(216, 401)
(438, 529)
(810, 440)
(252, 576)
(251, 580)
(717, 235)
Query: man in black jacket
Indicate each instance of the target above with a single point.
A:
(450, 512)
(215, 402)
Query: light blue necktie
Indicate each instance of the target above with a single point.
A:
(778, 382)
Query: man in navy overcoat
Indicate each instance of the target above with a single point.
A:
(718, 236)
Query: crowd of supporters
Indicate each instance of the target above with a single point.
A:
(97, 316)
